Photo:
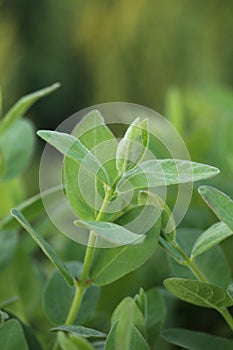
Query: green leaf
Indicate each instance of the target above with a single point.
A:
(211, 237)
(110, 232)
(31, 208)
(198, 293)
(132, 147)
(57, 297)
(196, 340)
(123, 336)
(164, 172)
(8, 242)
(135, 317)
(12, 336)
(73, 343)
(111, 264)
(3, 317)
(156, 313)
(45, 247)
(220, 275)
(16, 145)
(80, 331)
(97, 138)
(220, 203)
(72, 148)
(8, 301)
(141, 301)
(22, 105)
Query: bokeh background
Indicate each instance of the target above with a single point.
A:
(172, 56)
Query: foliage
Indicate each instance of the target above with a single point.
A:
(114, 248)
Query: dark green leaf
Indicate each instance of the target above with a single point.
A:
(196, 340)
(20, 107)
(12, 336)
(58, 296)
(220, 203)
(198, 293)
(211, 237)
(80, 331)
(45, 247)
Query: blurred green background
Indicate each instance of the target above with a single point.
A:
(172, 56)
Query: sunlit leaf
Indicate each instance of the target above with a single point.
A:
(22, 105)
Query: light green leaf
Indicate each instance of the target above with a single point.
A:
(57, 297)
(196, 340)
(16, 145)
(141, 301)
(99, 140)
(123, 336)
(164, 172)
(110, 232)
(72, 148)
(31, 208)
(156, 313)
(3, 317)
(80, 331)
(111, 264)
(8, 242)
(132, 147)
(22, 105)
(135, 317)
(73, 343)
(198, 293)
(12, 336)
(211, 237)
(45, 247)
(220, 203)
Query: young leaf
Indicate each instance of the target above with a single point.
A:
(196, 340)
(110, 232)
(45, 247)
(164, 172)
(198, 293)
(220, 203)
(130, 308)
(211, 237)
(132, 147)
(99, 140)
(22, 105)
(125, 336)
(12, 336)
(111, 264)
(72, 148)
(80, 331)
(141, 301)
(16, 147)
(57, 297)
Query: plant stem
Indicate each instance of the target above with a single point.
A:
(190, 263)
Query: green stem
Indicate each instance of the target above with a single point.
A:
(190, 263)
(82, 284)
